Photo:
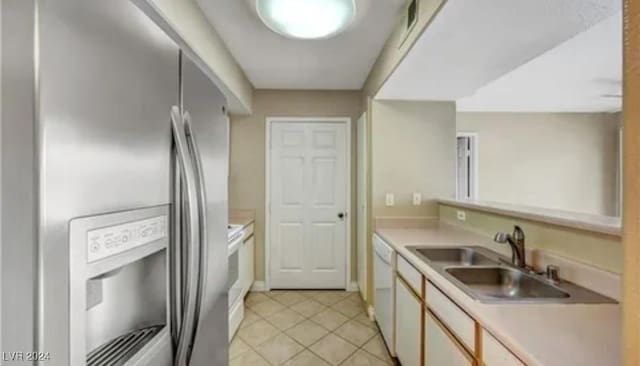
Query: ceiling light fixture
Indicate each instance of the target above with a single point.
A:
(307, 19)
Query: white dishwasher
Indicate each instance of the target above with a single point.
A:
(383, 280)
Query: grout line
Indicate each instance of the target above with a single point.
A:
(309, 318)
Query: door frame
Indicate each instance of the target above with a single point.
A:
(475, 153)
(362, 156)
(267, 207)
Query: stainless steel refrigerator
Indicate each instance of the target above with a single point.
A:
(114, 160)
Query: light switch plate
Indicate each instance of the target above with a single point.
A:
(389, 199)
(461, 215)
(417, 198)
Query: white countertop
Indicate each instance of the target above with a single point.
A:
(539, 334)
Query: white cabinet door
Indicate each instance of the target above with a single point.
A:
(495, 354)
(247, 253)
(408, 325)
(440, 348)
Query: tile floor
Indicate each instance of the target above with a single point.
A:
(307, 328)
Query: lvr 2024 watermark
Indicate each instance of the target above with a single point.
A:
(26, 356)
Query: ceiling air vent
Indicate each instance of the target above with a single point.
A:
(410, 18)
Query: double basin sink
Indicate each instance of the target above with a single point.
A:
(489, 277)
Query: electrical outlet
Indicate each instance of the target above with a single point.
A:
(461, 215)
(417, 198)
(389, 199)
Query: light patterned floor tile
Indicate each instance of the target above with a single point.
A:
(285, 319)
(329, 298)
(257, 333)
(355, 298)
(330, 319)
(364, 319)
(348, 308)
(249, 318)
(377, 348)
(267, 307)
(288, 298)
(308, 308)
(237, 347)
(307, 332)
(306, 358)
(255, 298)
(355, 332)
(279, 349)
(249, 358)
(363, 358)
(333, 349)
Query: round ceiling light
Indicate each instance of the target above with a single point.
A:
(306, 19)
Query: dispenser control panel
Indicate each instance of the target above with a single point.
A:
(108, 241)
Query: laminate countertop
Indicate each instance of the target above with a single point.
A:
(243, 218)
(539, 334)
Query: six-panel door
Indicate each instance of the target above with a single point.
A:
(308, 202)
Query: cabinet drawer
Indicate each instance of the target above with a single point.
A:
(460, 324)
(410, 274)
(495, 354)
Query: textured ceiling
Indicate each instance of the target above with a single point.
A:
(272, 61)
(583, 74)
(470, 44)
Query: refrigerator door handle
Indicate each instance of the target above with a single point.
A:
(202, 196)
(190, 290)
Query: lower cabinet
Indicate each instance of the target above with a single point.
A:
(247, 258)
(495, 354)
(408, 325)
(440, 348)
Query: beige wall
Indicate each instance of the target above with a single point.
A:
(189, 22)
(566, 161)
(599, 250)
(412, 151)
(247, 170)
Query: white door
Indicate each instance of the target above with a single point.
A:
(308, 205)
(362, 206)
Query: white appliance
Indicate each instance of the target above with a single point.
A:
(114, 220)
(234, 280)
(383, 282)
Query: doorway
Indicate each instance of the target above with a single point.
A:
(467, 166)
(308, 203)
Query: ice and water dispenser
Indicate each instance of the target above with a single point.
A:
(119, 290)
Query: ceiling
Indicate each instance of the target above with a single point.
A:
(583, 74)
(451, 62)
(271, 61)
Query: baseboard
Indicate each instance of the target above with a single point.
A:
(353, 287)
(371, 313)
(259, 286)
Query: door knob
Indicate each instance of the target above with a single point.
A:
(341, 215)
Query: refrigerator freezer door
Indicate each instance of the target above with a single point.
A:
(105, 77)
(210, 126)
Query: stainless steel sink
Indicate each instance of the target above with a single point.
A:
(489, 277)
(504, 283)
(460, 256)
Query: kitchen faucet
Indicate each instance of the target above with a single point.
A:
(516, 242)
